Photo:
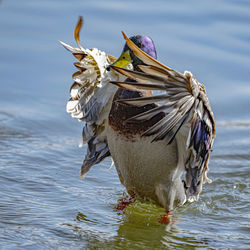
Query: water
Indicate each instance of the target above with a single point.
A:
(43, 203)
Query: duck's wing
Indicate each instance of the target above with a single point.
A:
(90, 98)
(184, 103)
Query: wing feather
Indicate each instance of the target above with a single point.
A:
(171, 75)
(149, 78)
(90, 97)
(142, 101)
(147, 114)
(186, 107)
(138, 86)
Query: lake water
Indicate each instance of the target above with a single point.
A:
(43, 202)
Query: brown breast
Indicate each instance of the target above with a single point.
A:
(119, 114)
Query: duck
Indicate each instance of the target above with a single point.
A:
(155, 123)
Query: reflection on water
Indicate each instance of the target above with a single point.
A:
(44, 204)
(138, 228)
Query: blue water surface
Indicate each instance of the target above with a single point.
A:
(43, 203)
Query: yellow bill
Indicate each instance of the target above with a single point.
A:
(123, 60)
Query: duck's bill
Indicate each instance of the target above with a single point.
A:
(123, 61)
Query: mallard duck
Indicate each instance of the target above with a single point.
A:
(155, 123)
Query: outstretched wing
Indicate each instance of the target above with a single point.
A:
(91, 95)
(185, 104)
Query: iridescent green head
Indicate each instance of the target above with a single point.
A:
(145, 43)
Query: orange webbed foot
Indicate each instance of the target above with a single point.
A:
(165, 218)
(124, 202)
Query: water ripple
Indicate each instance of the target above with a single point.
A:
(44, 204)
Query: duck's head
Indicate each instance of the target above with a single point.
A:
(145, 43)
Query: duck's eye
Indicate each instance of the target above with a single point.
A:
(123, 57)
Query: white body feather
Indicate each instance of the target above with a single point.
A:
(148, 170)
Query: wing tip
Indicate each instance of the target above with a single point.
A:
(77, 30)
(125, 36)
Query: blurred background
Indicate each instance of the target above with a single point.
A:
(43, 202)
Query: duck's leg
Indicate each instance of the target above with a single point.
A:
(124, 202)
(165, 218)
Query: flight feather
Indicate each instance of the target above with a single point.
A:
(185, 104)
(91, 96)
